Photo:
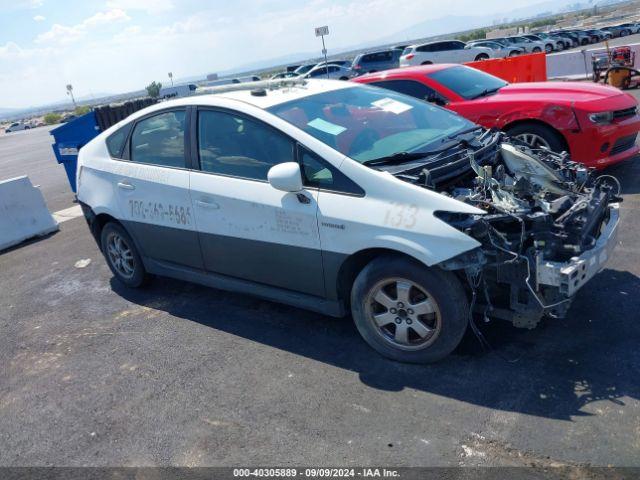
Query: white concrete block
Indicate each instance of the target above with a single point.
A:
(23, 212)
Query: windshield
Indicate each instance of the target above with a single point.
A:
(368, 123)
(303, 69)
(467, 82)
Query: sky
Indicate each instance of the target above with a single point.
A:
(115, 46)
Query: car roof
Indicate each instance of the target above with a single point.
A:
(403, 72)
(273, 97)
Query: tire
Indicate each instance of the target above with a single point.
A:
(624, 33)
(112, 249)
(536, 50)
(514, 53)
(438, 330)
(552, 139)
(481, 57)
(344, 78)
(548, 48)
(427, 63)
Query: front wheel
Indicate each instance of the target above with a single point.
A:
(537, 136)
(481, 57)
(122, 256)
(407, 311)
(548, 48)
(427, 63)
(536, 50)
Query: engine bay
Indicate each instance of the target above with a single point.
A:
(540, 207)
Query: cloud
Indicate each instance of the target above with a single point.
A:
(67, 34)
(39, 18)
(148, 6)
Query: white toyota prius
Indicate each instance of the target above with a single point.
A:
(344, 198)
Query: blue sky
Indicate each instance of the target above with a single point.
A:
(112, 46)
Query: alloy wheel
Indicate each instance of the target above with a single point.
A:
(533, 140)
(120, 255)
(403, 314)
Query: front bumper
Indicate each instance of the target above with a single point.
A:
(572, 275)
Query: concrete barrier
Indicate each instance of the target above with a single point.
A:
(23, 212)
(575, 65)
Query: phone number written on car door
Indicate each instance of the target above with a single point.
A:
(157, 212)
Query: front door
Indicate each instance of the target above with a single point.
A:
(248, 229)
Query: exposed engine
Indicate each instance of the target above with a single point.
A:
(543, 212)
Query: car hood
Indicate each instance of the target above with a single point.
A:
(584, 95)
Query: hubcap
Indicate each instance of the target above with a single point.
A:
(403, 314)
(533, 140)
(120, 255)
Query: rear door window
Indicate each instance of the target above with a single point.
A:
(159, 140)
(408, 87)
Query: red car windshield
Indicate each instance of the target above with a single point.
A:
(467, 82)
(367, 123)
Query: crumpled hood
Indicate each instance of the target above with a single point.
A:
(567, 93)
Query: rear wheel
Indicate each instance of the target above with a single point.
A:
(624, 33)
(536, 50)
(408, 312)
(548, 48)
(122, 256)
(537, 136)
(482, 56)
(427, 63)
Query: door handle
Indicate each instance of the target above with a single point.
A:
(126, 186)
(207, 204)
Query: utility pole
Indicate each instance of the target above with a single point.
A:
(70, 93)
(321, 32)
(171, 78)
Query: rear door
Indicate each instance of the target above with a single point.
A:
(248, 229)
(152, 186)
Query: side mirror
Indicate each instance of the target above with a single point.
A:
(437, 99)
(286, 177)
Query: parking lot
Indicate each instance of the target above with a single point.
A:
(178, 374)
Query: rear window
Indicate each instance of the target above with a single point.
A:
(115, 141)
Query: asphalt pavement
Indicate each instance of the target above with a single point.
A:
(178, 374)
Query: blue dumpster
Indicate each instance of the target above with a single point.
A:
(69, 138)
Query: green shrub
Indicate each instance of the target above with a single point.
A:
(52, 118)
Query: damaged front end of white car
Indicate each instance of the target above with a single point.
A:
(549, 225)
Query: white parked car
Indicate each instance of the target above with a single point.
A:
(501, 51)
(529, 45)
(331, 71)
(448, 51)
(339, 197)
(16, 127)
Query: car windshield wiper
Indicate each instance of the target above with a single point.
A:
(398, 157)
(485, 92)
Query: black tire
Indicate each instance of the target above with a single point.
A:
(536, 50)
(139, 276)
(553, 139)
(344, 78)
(427, 63)
(481, 57)
(625, 33)
(450, 318)
(548, 48)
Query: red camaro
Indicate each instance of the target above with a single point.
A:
(596, 124)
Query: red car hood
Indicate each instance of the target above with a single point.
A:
(582, 95)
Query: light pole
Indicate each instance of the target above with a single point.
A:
(321, 32)
(171, 78)
(70, 93)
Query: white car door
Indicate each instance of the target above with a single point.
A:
(152, 187)
(247, 228)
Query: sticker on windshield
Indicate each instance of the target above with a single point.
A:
(391, 105)
(327, 127)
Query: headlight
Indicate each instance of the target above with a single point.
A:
(601, 117)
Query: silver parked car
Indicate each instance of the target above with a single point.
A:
(335, 72)
(501, 51)
(16, 127)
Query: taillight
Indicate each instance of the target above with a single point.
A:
(357, 67)
(409, 57)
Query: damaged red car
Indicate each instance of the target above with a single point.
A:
(596, 124)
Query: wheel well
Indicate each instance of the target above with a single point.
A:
(98, 223)
(427, 63)
(541, 123)
(354, 264)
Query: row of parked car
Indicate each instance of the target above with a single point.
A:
(456, 51)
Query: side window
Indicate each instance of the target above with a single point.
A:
(427, 48)
(116, 141)
(440, 47)
(234, 145)
(408, 87)
(159, 140)
(320, 174)
(333, 69)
